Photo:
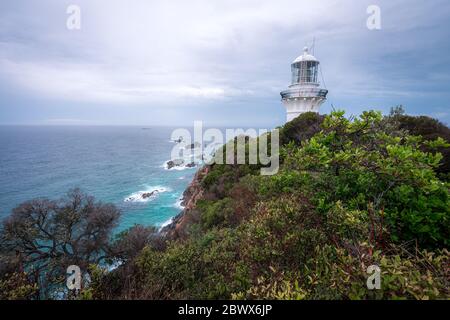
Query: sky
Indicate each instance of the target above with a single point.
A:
(223, 62)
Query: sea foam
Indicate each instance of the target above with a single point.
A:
(165, 224)
(140, 195)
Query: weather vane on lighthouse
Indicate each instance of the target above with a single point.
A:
(304, 94)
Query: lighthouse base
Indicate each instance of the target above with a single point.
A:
(297, 106)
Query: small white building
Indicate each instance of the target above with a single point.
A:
(304, 94)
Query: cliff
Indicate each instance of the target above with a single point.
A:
(179, 225)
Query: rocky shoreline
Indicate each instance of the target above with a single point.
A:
(177, 228)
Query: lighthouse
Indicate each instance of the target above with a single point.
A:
(304, 94)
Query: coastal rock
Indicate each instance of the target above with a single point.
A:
(170, 164)
(194, 192)
(174, 163)
(194, 145)
(190, 165)
(149, 194)
(144, 196)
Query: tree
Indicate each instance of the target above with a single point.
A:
(43, 237)
(130, 242)
(301, 128)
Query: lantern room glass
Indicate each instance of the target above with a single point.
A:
(304, 72)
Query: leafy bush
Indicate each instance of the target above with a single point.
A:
(216, 213)
(17, 286)
(429, 129)
(360, 165)
(301, 128)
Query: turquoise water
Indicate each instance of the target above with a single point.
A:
(110, 163)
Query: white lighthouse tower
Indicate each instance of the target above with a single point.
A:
(304, 94)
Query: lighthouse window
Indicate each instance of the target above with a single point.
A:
(304, 72)
(310, 74)
(295, 73)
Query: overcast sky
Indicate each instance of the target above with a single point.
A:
(221, 61)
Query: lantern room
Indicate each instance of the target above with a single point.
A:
(305, 68)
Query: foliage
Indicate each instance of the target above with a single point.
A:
(216, 213)
(359, 164)
(17, 286)
(48, 236)
(429, 129)
(301, 128)
(129, 243)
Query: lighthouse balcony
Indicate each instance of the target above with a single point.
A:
(304, 93)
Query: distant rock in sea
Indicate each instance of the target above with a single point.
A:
(190, 165)
(180, 164)
(179, 140)
(194, 145)
(144, 196)
(149, 194)
(174, 163)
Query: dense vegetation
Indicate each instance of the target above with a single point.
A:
(350, 193)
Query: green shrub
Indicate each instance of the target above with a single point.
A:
(357, 163)
(216, 213)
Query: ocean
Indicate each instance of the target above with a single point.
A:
(113, 164)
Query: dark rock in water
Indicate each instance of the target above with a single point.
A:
(193, 145)
(148, 194)
(191, 165)
(170, 164)
(144, 195)
(174, 163)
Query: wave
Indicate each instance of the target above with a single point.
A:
(146, 195)
(165, 223)
(178, 204)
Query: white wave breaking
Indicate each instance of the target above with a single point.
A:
(146, 195)
(179, 204)
(165, 224)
